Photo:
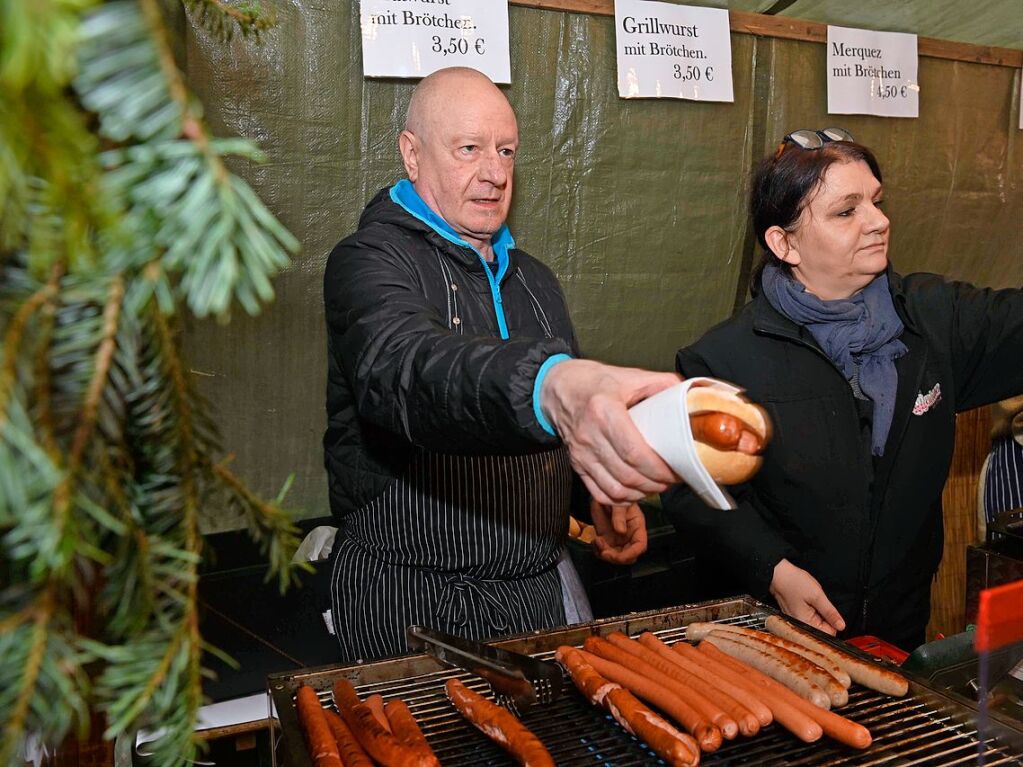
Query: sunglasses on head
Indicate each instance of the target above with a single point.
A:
(812, 139)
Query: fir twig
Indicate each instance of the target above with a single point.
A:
(43, 382)
(12, 343)
(42, 613)
(221, 19)
(111, 316)
(192, 124)
(269, 526)
(107, 454)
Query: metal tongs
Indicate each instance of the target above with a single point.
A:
(518, 680)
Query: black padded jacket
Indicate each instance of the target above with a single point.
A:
(870, 530)
(415, 354)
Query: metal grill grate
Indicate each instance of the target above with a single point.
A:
(923, 729)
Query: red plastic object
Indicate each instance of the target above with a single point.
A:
(879, 648)
(999, 617)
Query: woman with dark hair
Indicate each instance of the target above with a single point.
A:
(862, 371)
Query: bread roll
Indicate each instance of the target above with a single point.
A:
(729, 466)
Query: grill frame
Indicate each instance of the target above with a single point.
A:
(906, 731)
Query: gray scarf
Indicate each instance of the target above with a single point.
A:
(861, 331)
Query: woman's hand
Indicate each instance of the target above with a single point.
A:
(800, 595)
(621, 532)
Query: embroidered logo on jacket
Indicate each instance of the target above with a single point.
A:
(925, 402)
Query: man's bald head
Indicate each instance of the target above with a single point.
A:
(458, 148)
(443, 91)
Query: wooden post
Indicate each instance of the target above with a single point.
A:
(948, 591)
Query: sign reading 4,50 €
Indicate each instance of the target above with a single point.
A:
(872, 73)
(412, 38)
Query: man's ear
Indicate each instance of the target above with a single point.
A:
(408, 145)
(778, 241)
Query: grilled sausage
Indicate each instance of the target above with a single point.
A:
(837, 694)
(834, 726)
(372, 736)
(789, 717)
(777, 666)
(676, 748)
(375, 703)
(861, 672)
(498, 724)
(591, 684)
(748, 724)
(699, 630)
(351, 752)
(403, 725)
(660, 671)
(663, 739)
(740, 694)
(318, 737)
(744, 437)
(656, 694)
(725, 432)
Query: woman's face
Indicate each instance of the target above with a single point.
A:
(840, 241)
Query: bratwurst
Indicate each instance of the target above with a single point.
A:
(729, 432)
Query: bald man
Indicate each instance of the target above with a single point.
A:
(457, 410)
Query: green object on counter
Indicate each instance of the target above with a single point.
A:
(942, 654)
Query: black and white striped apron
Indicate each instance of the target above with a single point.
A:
(1003, 484)
(466, 544)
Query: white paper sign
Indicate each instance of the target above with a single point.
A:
(672, 51)
(872, 73)
(412, 38)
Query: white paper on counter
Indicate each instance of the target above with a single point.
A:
(413, 38)
(672, 51)
(225, 713)
(872, 73)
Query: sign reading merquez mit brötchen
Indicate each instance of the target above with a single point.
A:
(872, 73)
(672, 51)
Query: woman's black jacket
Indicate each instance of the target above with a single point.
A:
(870, 530)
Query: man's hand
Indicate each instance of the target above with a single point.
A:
(621, 533)
(587, 404)
(800, 595)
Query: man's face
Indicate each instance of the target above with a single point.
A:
(463, 162)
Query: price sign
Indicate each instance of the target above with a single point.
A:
(672, 51)
(872, 73)
(412, 38)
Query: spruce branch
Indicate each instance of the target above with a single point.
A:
(222, 19)
(193, 127)
(15, 729)
(107, 451)
(111, 317)
(129, 700)
(12, 344)
(215, 231)
(42, 685)
(43, 381)
(37, 43)
(269, 525)
(60, 557)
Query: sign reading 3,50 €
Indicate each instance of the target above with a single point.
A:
(672, 51)
(412, 38)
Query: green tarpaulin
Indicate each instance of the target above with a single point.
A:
(637, 205)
